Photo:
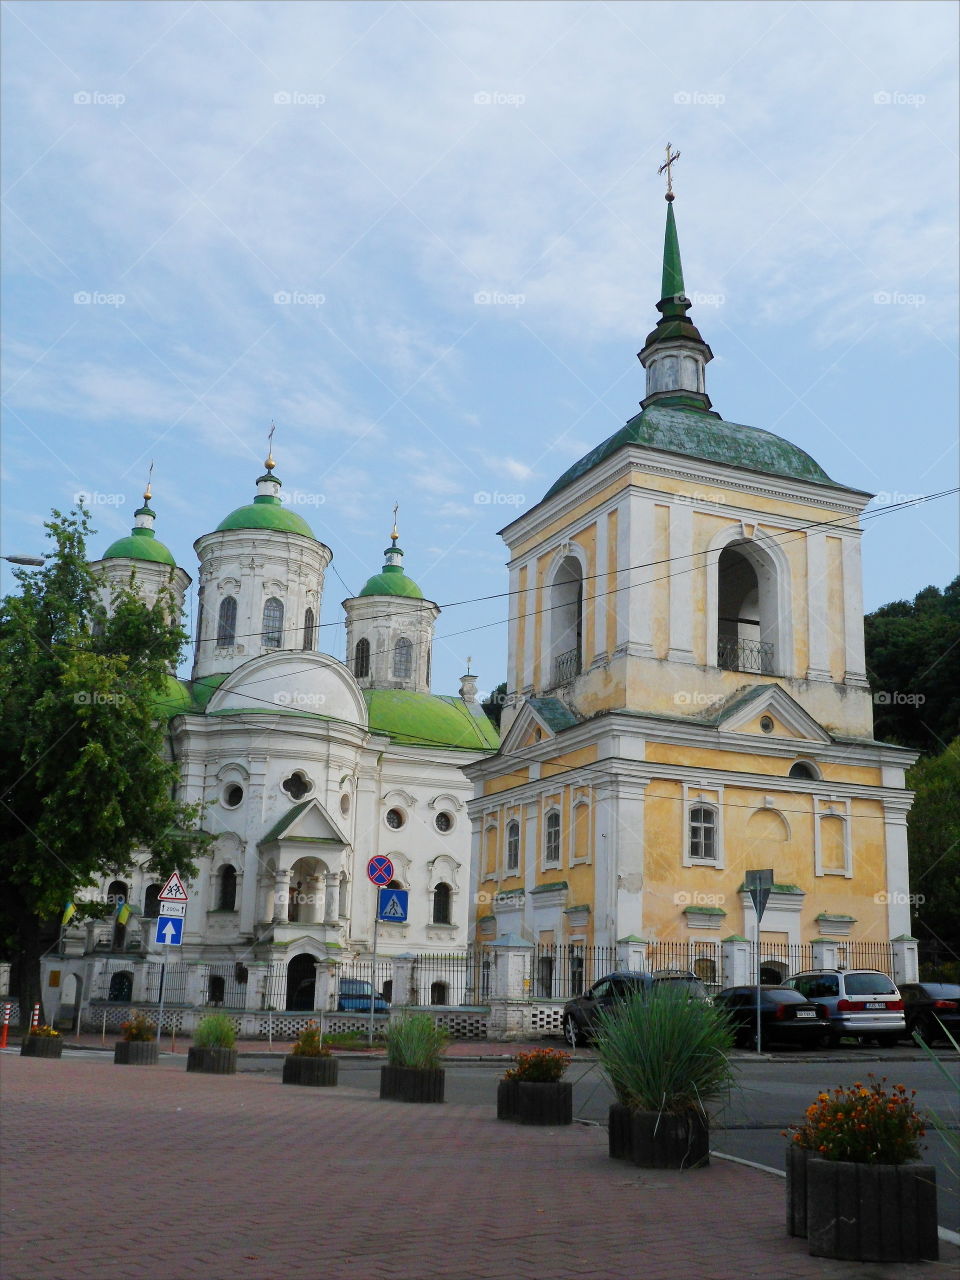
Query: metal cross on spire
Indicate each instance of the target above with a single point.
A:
(147, 493)
(270, 464)
(672, 158)
(394, 535)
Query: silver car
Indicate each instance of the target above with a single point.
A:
(859, 1002)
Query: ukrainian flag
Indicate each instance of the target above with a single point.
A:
(69, 911)
(123, 913)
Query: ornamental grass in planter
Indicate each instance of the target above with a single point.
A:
(310, 1062)
(666, 1055)
(138, 1048)
(41, 1042)
(854, 1184)
(532, 1091)
(213, 1049)
(415, 1047)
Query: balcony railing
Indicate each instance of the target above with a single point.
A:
(745, 655)
(566, 667)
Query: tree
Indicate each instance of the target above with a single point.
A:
(913, 665)
(934, 834)
(493, 706)
(86, 788)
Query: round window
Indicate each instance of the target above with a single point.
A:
(766, 724)
(233, 795)
(443, 822)
(345, 804)
(395, 819)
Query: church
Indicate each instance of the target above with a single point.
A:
(687, 703)
(307, 767)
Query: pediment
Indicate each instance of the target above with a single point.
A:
(537, 720)
(745, 711)
(307, 822)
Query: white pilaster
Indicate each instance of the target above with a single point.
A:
(854, 657)
(818, 623)
(681, 582)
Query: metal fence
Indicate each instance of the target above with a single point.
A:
(561, 971)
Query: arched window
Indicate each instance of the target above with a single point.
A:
(361, 658)
(551, 852)
(703, 834)
(566, 621)
(216, 989)
(151, 901)
(513, 846)
(309, 628)
(402, 659)
(803, 769)
(227, 896)
(273, 624)
(746, 611)
(441, 904)
(227, 623)
(439, 993)
(121, 987)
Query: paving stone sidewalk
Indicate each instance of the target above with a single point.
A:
(112, 1172)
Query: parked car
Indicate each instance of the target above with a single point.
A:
(928, 1004)
(580, 1014)
(862, 1003)
(354, 997)
(786, 1016)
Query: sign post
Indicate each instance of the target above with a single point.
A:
(380, 873)
(759, 886)
(173, 898)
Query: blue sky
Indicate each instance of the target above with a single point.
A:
(425, 239)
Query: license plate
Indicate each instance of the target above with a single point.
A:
(875, 1004)
(806, 1013)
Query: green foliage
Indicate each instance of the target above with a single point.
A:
(85, 778)
(933, 828)
(493, 706)
(863, 1125)
(215, 1031)
(415, 1040)
(540, 1066)
(663, 1051)
(913, 665)
(309, 1043)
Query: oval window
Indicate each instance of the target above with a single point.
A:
(233, 795)
(443, 822)
(395, 819)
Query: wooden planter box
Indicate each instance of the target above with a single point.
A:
(41, 1047)
(136, 1053)
(532, 1102)
(796, 1159)
(216, 1062)
(872, 1212)
(659, 1140)
(620, 1132)
(300, 1069)
(412, 1084)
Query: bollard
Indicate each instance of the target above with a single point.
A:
(35, 1020)
(7, 1011)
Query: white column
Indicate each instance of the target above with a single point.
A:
(281, 897)
(514, 675)
(682, 579)
(530, 605)
(331, 898)
(854, 660)
(818, 624)
(599, 588)
(313, 889)
(638, 601)
(628, 863)
(895, 810)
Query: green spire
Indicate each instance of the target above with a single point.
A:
(672, 286)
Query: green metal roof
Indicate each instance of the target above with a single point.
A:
(392, 581)
(697, 434)
(140, 544)
(555, 714)
(429, 720)
(266, 512)
(672, 282)
(175, 700)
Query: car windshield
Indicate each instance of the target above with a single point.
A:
(941, 990)
(353, 987)
(869, 984)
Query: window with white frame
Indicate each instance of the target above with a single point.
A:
(703, 834)
(273, 624)
(402, 659)
(513, 846)
(551, 850)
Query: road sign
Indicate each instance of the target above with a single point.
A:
(380, 869)
(169, 932)
(392, 905)
(759, 886)
(173, 910)
(173, 890)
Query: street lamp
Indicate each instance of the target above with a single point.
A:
(36, 562)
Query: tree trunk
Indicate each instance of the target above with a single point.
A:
(31, 944)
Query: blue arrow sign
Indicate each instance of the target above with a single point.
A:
(169, 931)
(392, 905)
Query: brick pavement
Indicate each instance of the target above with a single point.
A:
(116, 1172)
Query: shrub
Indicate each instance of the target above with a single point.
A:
(867, 1126)
(310, 1044)
(542, 1066)
(415, 1040)
(44, 1032)
(139, 1027)
(215, 1031)
(665, 1051)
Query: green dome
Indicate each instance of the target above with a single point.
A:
(266, 513)
(392, 581)
(175, 699)
(703, 435)
(428, 720)
(140, 544)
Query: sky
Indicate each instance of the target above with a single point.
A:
(425, 240)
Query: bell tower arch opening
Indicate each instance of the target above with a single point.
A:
(565, 596)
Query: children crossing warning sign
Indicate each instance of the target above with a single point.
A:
(173, 890)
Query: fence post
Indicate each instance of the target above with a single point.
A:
(737, 966)
(403, 980)
(510, 1014)
(632, 953)
(826, 953)
(906, 964)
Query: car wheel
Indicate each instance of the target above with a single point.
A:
(832, 1040)
(888, 1040)
(927, 1030)
(571, 1032)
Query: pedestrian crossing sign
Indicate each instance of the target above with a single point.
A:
(392, 905)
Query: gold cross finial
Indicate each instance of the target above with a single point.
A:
(394, 535)
(270, 464)
(469, 661)
(672, 158)
(147, 494)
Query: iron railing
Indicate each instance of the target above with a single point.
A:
(745, 655)
(566, 666)
(562, 971)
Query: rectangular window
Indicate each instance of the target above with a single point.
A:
(703, 835)
(552, 848)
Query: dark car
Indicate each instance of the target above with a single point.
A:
(354, 997)
(580, 1014)
(786, 1017)
(927, 1005)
